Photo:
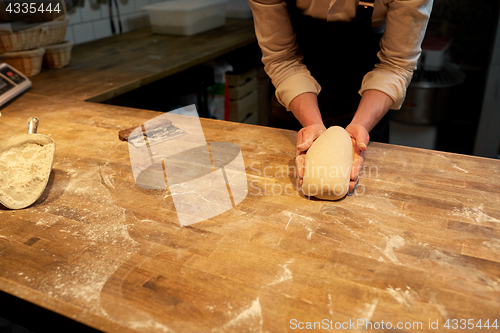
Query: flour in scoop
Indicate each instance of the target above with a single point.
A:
(23, 173)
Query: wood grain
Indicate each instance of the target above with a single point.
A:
(417, 242)
(109, 67)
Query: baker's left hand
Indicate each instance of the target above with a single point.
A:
(360, 138)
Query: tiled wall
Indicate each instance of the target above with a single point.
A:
(91, 21)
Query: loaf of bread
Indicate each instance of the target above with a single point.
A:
(328, 165)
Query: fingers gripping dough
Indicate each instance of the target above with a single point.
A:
(328, 165)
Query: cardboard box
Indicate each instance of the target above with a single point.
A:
(239, 92)
(236, 80)
(242, 108)
(252, 119)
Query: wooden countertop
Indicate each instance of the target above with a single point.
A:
(108, 67)
(420, 241)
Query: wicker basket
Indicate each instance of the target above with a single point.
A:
(55, 31)
(27, 62)
(23, 40)
(57, 55)
(48, 33)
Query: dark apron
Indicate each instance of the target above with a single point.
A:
(338, 55)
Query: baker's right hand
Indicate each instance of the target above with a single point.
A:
(305, 138)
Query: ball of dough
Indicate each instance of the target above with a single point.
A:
(328, 165)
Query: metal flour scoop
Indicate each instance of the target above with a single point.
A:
(25, 165)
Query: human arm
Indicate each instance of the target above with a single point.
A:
(296, 89)
(305, 108)
(373, 106)
(280, 53)
(385, 86)
(400, 48)
(406, 22)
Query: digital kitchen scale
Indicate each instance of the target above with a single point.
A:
(12, 83)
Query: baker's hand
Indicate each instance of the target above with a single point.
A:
(305, 138)
(360, 138)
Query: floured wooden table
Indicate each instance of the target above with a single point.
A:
(418, 243)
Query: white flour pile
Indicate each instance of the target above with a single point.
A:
(23, 173)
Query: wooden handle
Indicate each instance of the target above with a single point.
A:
(123, 134)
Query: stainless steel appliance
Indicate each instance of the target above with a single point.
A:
(428, 97)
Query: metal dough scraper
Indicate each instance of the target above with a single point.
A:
(160, 130)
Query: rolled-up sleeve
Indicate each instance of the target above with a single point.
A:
(280, 53)
(399, 49)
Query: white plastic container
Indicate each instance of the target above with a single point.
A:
(186, 17)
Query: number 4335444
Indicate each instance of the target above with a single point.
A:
(32, 8)
(470, 324)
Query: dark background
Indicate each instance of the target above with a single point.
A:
(472, 26)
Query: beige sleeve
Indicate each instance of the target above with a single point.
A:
(399, 49)
(280, 53)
